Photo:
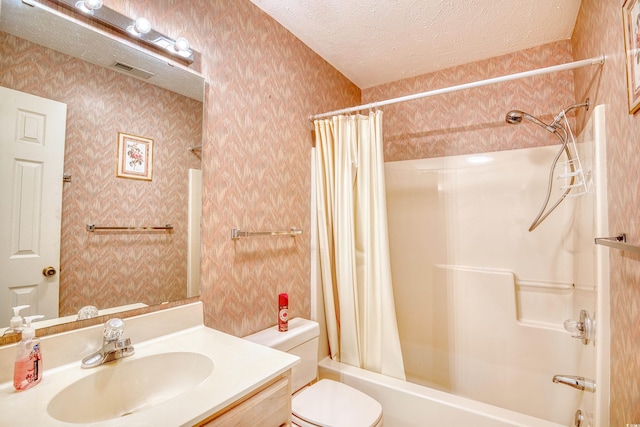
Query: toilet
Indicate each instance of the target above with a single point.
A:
(326, 403)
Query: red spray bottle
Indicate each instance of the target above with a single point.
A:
(283, 312)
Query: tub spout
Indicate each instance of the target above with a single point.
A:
(581, 383)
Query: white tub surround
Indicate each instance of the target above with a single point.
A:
(240, 368)
(489, 297)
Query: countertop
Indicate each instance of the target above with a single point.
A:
(240, 366)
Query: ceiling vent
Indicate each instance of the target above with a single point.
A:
(137, 72)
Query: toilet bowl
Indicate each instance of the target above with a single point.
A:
(325, 403)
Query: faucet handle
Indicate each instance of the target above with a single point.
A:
(582, 329)
(113, 329)
(574, 327)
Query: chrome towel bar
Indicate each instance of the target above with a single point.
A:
(92, 227)
(618, 242)
(236, 233)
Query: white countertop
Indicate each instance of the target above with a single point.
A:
(240, 366)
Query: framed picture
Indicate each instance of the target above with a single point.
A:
(135, 157)
(631, 20)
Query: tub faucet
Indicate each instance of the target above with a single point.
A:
(581, 383)
(113, 346)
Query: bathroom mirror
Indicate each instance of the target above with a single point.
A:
(86, 193)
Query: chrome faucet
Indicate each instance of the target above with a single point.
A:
(113, 346)
(581, 383)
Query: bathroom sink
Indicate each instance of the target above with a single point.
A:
(129, 386)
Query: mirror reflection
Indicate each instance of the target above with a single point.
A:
(112, 268)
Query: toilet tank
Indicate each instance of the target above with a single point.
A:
(301, 340)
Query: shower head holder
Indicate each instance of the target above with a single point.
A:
(575, 174)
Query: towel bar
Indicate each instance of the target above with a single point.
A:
(236, 233)
(92, 227)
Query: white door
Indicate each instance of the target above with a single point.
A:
(193, 232)
(32, 135)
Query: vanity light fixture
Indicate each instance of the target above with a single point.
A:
(139, 28)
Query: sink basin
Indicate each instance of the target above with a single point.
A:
(129, 386)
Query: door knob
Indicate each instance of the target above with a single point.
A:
(49, 271)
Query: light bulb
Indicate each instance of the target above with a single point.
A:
(142, 25)
(139, 26)
(88, 6)
(93, 4)
(182, 44)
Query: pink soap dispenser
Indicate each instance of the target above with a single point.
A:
(27, 370)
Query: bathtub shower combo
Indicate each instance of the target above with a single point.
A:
(486, 309)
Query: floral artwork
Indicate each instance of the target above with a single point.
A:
(135, 157)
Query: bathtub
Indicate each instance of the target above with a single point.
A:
(409, 405)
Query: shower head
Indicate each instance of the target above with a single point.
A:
(515, 117)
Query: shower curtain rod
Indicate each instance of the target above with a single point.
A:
(598, 60)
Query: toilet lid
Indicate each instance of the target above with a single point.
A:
(329, 403)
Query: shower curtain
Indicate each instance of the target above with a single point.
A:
(353, 244)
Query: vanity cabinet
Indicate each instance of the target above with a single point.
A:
(266, 406)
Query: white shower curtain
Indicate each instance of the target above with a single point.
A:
(353, 244)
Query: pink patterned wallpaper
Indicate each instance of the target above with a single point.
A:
(113, 269)
(473, 120)
(262, 84)
(599, 30)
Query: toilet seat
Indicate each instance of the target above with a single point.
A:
(329, 403)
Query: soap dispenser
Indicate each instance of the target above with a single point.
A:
(15, 324)
(27, 370)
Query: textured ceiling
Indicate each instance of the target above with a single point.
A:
(379, 41)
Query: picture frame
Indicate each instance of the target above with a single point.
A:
(631, 22)
(135, 157)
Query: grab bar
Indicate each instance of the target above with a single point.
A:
(236, 233)
(92, 227)
(618, 242)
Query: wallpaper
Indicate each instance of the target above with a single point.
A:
(114, 268)
(262, 84)
(599, 31)
(473, 120)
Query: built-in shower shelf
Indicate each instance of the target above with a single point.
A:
(618, 242)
